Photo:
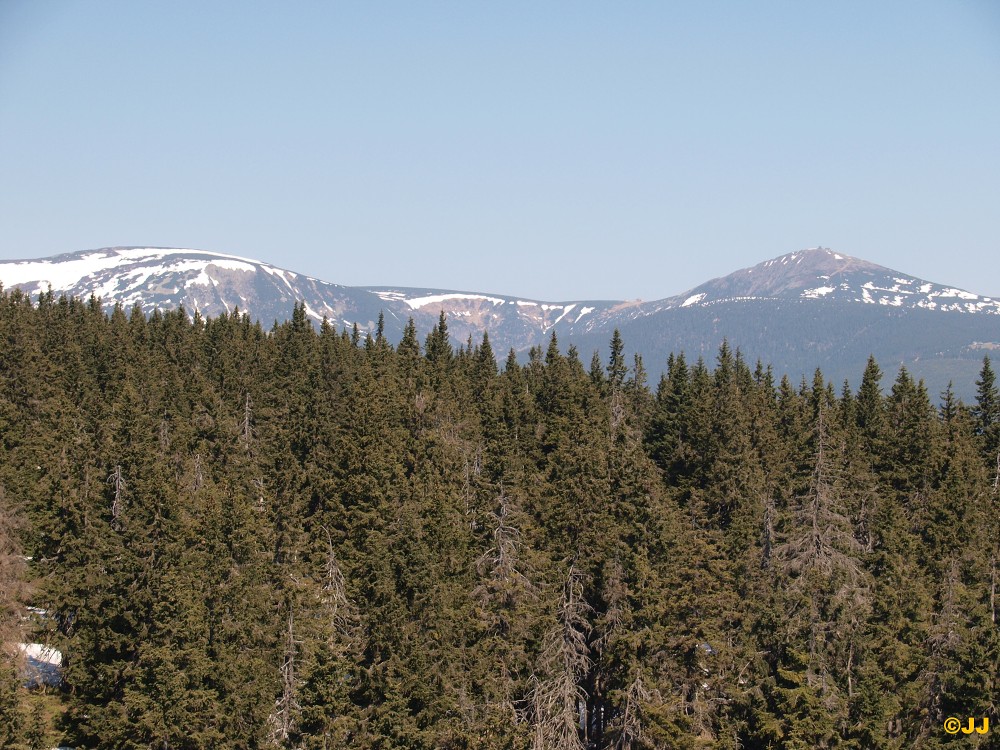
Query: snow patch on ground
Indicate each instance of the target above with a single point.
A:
(41, 665)
(65, 274)
(278, 273)
(952, 292)
(41, 653)
(565, 312)
(61, 275)
(820, 291)
(431, 299)
(310, 312)
(390, 296)
(202, 279)
(694, 299)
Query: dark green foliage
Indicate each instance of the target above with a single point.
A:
(36, 732)
(11, 715)
(306, 539)
(987, 412)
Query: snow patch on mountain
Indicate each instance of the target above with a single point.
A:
(565, 312)
(431, 299)
(390, 296)
(820, 291)
(821, 274)
(61, 273)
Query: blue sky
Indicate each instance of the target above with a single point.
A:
(551, 150)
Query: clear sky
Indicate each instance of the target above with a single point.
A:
(555, 150)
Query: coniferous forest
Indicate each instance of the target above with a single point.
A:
(300, 538)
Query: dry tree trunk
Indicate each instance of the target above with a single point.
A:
(558, 700)
(286, 708)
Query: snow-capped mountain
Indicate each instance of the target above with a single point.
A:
(820, 308)
(801, 310)
(821, 273)
(512, 322)
(214, 283)
(208, 283)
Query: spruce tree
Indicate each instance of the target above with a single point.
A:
(987, 414)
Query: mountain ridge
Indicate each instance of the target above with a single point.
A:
(83, 269)
(853, 307)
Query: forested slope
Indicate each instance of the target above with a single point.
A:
(302, 539)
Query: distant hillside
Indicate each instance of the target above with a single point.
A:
(802, 310)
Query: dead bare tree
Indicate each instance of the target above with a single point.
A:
(473, 469)
(343, 616)
(993, 589)
(820, 559)
(632, 734)
(823, 538)
(117, 481)
(503, 567)
(198, 480)
(993, 556)
(284, 717)
(558, 702)
(164, 435)
(945, 637)
(194, 478)
(767, 533)
(505, 586)
(248, 434)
